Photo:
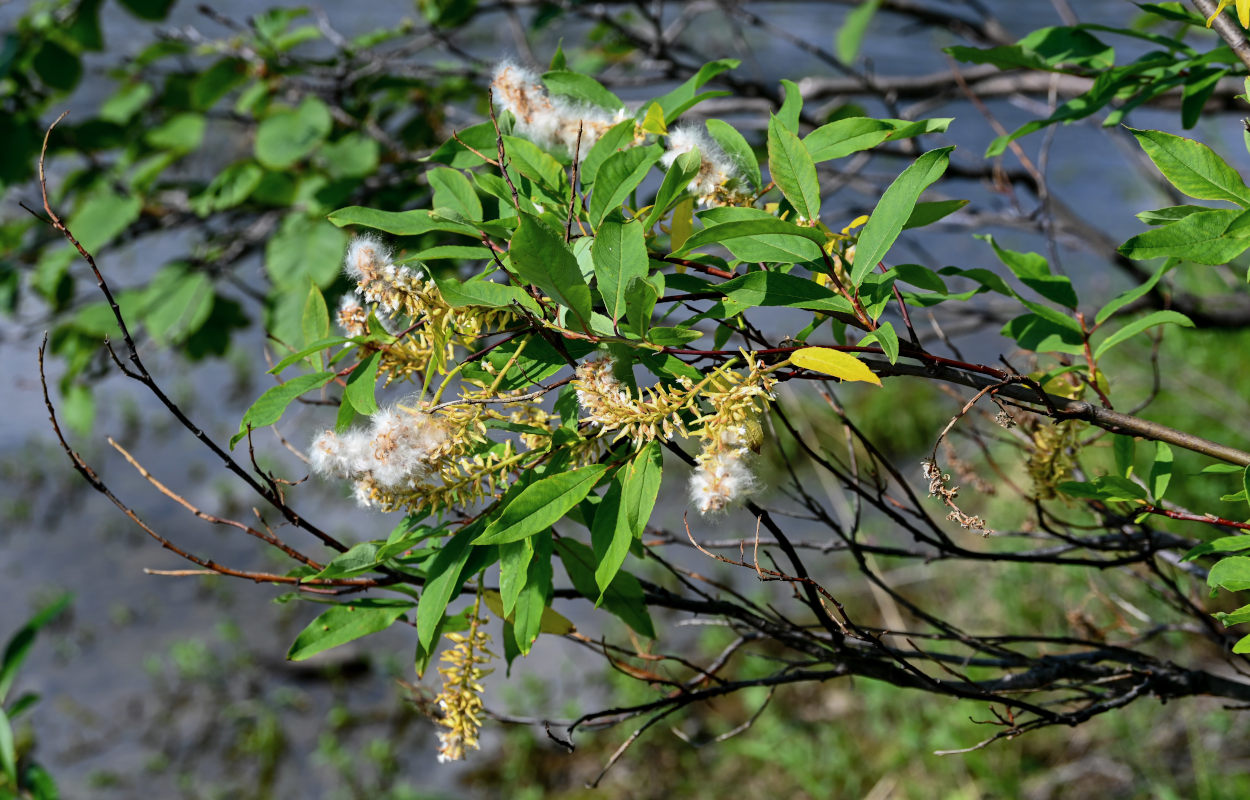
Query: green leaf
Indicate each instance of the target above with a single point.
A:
(230, 188)
(151, 10)
(354, 155)
(532, 615)
(1125, 298)
(347, 622)
(722, 233)
(793, 170)
(929, 213)
(443, 578)
(791, 106)
(640, 299)
(1042, 334)
(271, 405)
(618, 177)
(1162, 216)
(1232, 574)
(624, 512)
(453, 190)
(623, 597)
(479, 292)
(1160, 471)
(1034, 272)
(57, 67)
(581, 87)
(683, 170)
(358, 558)
(773, 248)
(1193, 168)
(736, 147)
(20, 643)
(289, 135)
(684, 96)
(894, 209)
(182, 133)
(1224, 544)
(304, 248)
(514, 564)
(1138, 325)
(887, 338)
(8, 751)
(316, 319)
(616, 139)
(540, 505)
(176, 303)
(1233, 617)
(362, 385)
(779, 289)
(619, 252)
(1043, 49)
(1205, 237)
(850, 33)
(540, 256)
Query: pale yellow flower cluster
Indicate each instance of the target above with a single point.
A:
(728, 431)
(460, 699)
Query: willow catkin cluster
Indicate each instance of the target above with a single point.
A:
(460, 699)
(399, 450)
(554, 123)
(729, 431)
(720, 180)
(399, 292)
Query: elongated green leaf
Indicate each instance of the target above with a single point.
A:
(8, 750)
(791, 106)
(1193, 168)
(344, 623)
(1043, 49)
(287, 136)
(618, 177)
(680, 98)
(894, 209)
(1224, 544)
(443, 577)
(779, 289)
(270, 406)
(1138, 325)
(736, 147)
(540, 256)
(624, 512)
(719, 234)
(1034, 272)
(685, 167)
(793, 170)
(362, 385)
(774, 248)
(514, 564)
(1160, 471)
(850, 33)
(1204, 237)
(483, 293)
(18, 646)
(541, 504)
(400, 223)
(312, 347)
(1233, 617)
(623, 597)
(535, 595)
(1125, 298)
(620, 255)
(581, 87)
(929, 213)
(616, 139)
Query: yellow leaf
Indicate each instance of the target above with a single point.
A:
(683, 224)
(653, 122)
(835, 363)
(552, 622)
